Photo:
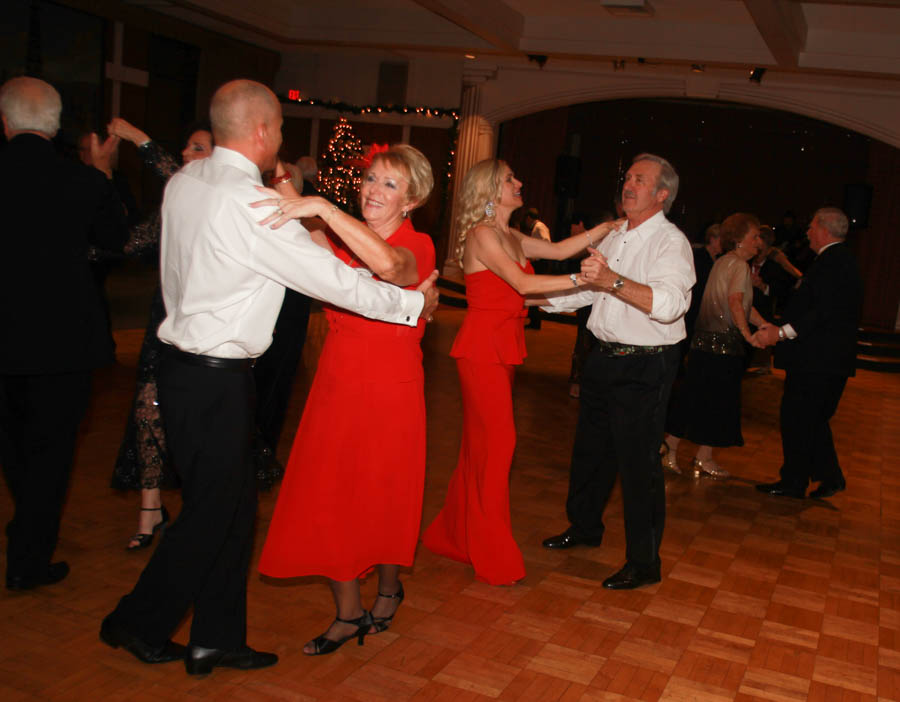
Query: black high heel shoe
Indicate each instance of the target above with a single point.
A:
(383, 623)
(144, 540)
(323, 645)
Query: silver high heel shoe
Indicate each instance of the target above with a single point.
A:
(668, 458)
(710, 467)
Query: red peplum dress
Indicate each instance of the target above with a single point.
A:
(474, 525)
(352, 491)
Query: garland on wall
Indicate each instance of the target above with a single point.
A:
(345, 179)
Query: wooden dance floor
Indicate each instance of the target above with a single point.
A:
(762, 598)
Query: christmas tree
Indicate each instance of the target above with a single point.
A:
(339, 177)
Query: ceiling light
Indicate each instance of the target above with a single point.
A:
(628, 8)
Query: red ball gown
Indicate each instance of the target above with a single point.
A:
(474, 525)
(352, 491)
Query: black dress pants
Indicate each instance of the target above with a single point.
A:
(39, 419)
(620, 429)
(808, 404)
(203, 557)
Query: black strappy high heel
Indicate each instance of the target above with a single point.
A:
(324, 645)
(144, 540)
(383, 623)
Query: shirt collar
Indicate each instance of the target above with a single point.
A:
(828, 246)
(647, 226)
(230, 157)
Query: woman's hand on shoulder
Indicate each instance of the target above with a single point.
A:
(288, 208)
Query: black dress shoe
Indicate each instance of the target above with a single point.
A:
(201, 661)
(829, 489)
(781, 489)
(55, 572)
(568, 539)
(630, 577)
(114, 635)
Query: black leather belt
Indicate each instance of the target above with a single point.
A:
(611, 348)
(195, 359)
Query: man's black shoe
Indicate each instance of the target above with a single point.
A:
(55, 572)
(629, 578)
(780, 489)
(829, 489)
(114, 635)
(568, 539)
(201, 661)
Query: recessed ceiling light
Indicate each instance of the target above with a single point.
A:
(470, 56)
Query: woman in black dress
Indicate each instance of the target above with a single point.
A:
(143, 462)
(707, 408)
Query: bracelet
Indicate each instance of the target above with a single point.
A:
(574, 278)
(331, 210)
(283, 178)
(781, 335)
(590, 241)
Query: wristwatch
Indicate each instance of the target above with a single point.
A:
(574, 278)
(618, 284)
(780, 333)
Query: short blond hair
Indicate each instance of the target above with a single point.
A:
(480, 185)
(415, 167)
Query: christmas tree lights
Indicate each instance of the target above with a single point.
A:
(339, 178)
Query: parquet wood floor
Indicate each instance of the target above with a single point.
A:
(761, 598)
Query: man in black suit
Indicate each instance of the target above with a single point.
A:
(817, 348)
(51, 316)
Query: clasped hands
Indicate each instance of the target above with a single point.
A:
(765, 335)
(595, 270)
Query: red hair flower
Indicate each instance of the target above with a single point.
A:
(365, 160)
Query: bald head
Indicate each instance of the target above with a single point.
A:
(238, 107)
(30, 105)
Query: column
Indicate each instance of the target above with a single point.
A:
(475, 143)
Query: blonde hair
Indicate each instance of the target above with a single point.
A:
(480, 185)
(412, 162)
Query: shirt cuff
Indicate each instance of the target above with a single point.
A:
(789, 331)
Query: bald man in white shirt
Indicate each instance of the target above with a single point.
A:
(643, 273)
(223, 280)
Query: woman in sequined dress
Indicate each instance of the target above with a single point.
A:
(707, 407)
(143, 462)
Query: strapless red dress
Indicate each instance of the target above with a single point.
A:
(474, 525)
(352, 491)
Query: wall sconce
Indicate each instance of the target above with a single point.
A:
(756, 75)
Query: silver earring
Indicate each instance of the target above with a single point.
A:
(489, 209)
(405, 214)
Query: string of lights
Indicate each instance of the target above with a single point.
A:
(339, 180)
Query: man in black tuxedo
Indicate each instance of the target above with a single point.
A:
(817, 348)
(51, 315)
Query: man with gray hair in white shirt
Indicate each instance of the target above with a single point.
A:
(223, 280)
(642, 275)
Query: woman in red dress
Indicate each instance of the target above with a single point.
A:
(351, 499)
(474, 525)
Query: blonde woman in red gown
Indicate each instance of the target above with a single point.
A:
(474, 524)
(351, 499)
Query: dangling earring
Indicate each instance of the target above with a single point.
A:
(489, 209)
(405, 214)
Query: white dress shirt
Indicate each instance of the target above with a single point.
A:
(223, 275)
(656, 254)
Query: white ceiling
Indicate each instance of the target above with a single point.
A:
(843, 37)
